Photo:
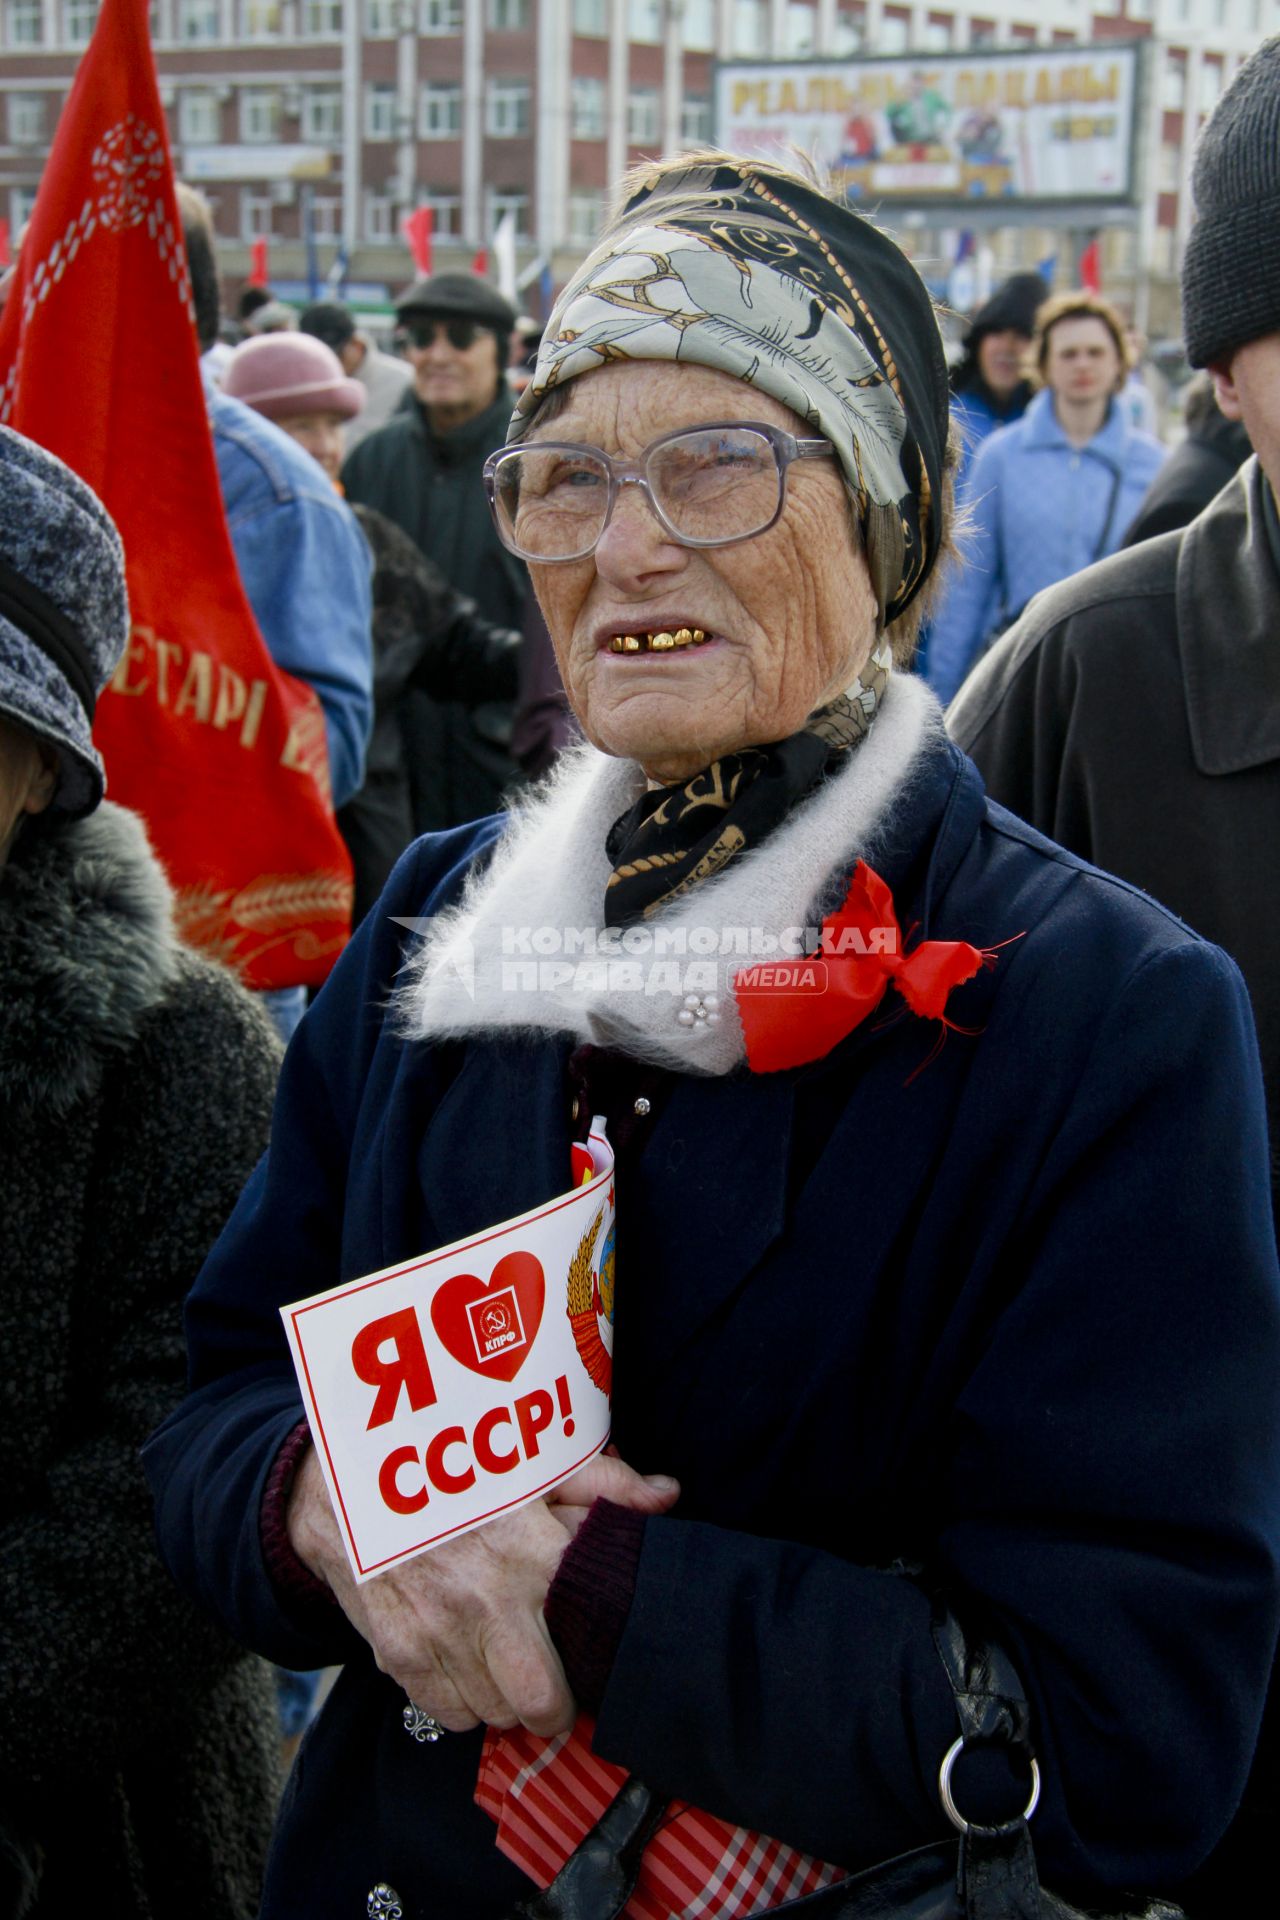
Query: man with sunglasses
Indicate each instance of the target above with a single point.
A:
(423, 470)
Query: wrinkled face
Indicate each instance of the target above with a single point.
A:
(320, 434)
(1000, 358)
(454, 382)
(790, 614)
(1082, 363)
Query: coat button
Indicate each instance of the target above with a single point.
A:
(383, 1903)
(575, 1109)
(642, 1107)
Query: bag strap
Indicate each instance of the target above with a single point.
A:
(1117, 480)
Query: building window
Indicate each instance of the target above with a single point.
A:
(261, 19)
(321, 18)
(695, 119)
(26, 119)
(507, 109)
(380, 110)
(199, 22)
(26, 23)
(895, 33)
(446, 212)
(699, 26)
(505, 200)
(382, 19)
(441, 116)
(508, 16)
(591, 17)
(644, 20)
(586, 215)
(982, 33)
(22, 202)
(937, 36)
(441, 16)
(1168, 170)
(81, 17)
(326, 216)
(256, 213)
(322, 113)
(379, 217)
(586, 108)
(259, 116)
(801, 27)
(1163, 250)
(751, 26)
(642, 116)
(199, 117)
(851, 30)
(1173, 86)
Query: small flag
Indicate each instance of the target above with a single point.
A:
(504, 256)
(417, 229)
(259, 275)
(1091, 267)
(480, 262)
(6, 257)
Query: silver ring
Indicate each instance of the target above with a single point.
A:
(949, 1806)
(420, 1726)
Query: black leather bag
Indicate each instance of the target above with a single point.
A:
(984, 1873)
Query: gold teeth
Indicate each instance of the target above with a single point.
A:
(662, 642)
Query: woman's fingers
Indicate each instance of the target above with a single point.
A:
(608, 1478)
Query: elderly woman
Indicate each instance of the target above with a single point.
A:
(981, 1332)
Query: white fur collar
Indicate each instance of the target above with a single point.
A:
(518, 952)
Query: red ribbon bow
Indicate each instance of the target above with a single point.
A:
(794, 1011)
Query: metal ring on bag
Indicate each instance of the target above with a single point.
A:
(949, 1806)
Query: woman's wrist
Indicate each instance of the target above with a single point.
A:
(290, 1575)
(590, 1597)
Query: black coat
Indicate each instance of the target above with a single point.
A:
(1134, 714)
(1190, 477)
(140, 1753)
(429, 484)
(871, 1312)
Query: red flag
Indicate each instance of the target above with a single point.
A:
(417, 229)
(259, 272)
(480, 264)
(1091, 267)
(222, 753)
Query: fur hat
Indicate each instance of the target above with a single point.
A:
(279, 374)
(64, 612)
(1231, 270)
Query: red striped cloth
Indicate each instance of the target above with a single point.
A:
(546, 1795)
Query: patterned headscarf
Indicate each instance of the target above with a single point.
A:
(755, 274)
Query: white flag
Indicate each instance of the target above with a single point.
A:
(504, 256)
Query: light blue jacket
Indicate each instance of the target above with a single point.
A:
(1041, 510)
(305, 566)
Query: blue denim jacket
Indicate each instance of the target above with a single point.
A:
(305, 566)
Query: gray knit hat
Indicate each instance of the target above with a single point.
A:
(64, 613)
(1231, 272)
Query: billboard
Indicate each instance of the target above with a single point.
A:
(1044, 125)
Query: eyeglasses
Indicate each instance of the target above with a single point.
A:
(708, 487)
(422, 332)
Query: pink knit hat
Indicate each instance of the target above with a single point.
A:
(282, 374)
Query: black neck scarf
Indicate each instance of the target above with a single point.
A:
(675, 837)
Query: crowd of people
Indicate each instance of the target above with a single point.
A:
(946, 1305)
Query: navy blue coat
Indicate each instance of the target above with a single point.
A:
(1014, 1319)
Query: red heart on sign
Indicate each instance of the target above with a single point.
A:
(490, 1325)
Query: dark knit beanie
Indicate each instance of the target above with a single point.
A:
(1231, 273)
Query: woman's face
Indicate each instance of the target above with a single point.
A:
(1082, 362)
(790, 614)
(1000, 358)
(28, 776)
(320, 434)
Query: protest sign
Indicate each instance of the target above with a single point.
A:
(456, 1386)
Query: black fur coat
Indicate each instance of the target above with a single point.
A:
(138, 1748)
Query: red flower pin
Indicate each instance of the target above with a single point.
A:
(795, 1011)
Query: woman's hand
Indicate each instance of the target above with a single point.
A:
(461, 1628)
